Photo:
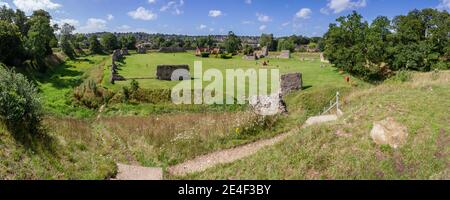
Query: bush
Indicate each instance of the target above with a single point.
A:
(125, 94)
(205, 54)
(403, 76)
(134, 86)
(90, 95)
(20, 105)
(226, 56)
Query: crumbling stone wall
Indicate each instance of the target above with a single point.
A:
(164, 72)
(141, 49)
(286, 54)
(291, 82)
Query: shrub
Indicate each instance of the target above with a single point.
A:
(126, 94)
(20, 105)
(90, 95)
(134, 86)
(402, 76)
(205, 54)
(226, 56)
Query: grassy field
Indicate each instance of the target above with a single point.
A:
(321, 152)
(142, 67)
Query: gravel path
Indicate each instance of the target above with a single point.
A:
(202, 163)
(130, 172)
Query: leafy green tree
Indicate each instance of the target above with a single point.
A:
(66, 40)
(267, 40)
(6, 14)
(345, 44)
(80, 41)
(94, 45)
(248, 50)
(11, 47)
(128, 41)
(286, 44)
(21, 21)
(232, 43)
(377, 40)
(40, 35)
(109, 42)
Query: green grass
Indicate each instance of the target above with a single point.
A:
(142, 67)
(56, 85)
(317, 152)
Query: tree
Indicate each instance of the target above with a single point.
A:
(80, 41)
(345, 44)
(11, 47)
(267, 40)
(232, 43)
(128, 41)
(94, 45)
(21, 21)
(286, 44)
(40, 35)
(6, 14)
(248, 50)
(109, 42)
(66, 40)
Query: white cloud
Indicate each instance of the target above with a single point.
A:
(93, 25)
(324, 11)
(202, 26)
(32, 5)
(263, 18)
(142, 14)
(247, 22)
(174, 6)
(151, 1)
(4, 4)
(262, 27)
(211, 29)
(286, 24)
(445, 4)
(338, 6)
(215, 13)
(304, 13)
(248, 1)
(110, 17)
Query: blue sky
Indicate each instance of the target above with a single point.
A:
(203, 17)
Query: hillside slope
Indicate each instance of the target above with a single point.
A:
(345, 150)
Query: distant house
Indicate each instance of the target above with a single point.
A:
(199, 51)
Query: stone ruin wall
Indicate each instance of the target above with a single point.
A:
(291, 82)
(164, 72)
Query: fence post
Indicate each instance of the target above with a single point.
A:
(337, 102)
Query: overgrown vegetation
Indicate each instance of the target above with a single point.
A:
(20, 106)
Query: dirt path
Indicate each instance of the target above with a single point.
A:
(202, 163)
(130, 172)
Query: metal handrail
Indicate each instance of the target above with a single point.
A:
(332, 105)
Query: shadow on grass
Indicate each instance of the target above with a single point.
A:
(306, 87)
(64, 76)
(35, 139)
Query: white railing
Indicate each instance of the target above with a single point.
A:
(334, 103)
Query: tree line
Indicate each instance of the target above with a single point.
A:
(29, 40)
(418, 41)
